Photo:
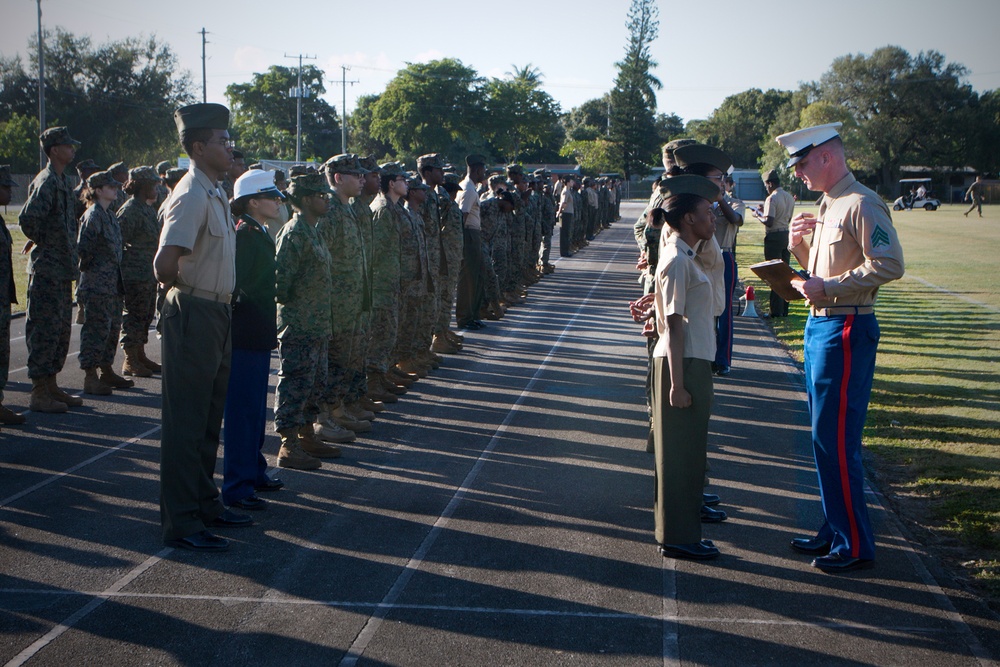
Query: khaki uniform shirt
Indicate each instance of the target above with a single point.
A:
(566, 201)
(197, 218)
(682, 288)
(468, 201)
(725, 233)
(781, 206)
(854, 246)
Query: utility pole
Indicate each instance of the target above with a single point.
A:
(204, 77)
(41, 87)
(343, 106)
(298, 93)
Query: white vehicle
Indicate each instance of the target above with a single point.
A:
(907, 202)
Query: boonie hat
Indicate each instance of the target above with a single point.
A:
(800, 142)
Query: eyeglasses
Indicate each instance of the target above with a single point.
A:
(225, 143)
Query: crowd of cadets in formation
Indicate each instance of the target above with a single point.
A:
(518, 213)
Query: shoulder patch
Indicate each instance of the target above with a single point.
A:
(879, 237)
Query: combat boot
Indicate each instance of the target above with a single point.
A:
(412, 367)
(378, 393)
(112, 379)
(8, 416)
(62, 396)
(92, 384)
(356, 411)
(443, 345)
(329, 430)
(42, 400)
(385, 384)
(399, 376)
(344, 418)
(313, 446)
(146, 361)
(133, 363)
(371, 405)
(291, 455)
(456, 339)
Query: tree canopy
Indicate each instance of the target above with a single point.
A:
(521, 113)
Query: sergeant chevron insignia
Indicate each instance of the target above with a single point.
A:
(879, 237)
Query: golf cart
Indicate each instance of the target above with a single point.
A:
(910, 202)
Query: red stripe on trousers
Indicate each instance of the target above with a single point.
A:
(845, 480)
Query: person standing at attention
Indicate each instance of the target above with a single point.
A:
(853, 250)
(196, 262)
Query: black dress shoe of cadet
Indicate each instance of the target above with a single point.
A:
(203, 541)
(270, 484)
(835, 563)
(813, 546)
(709, 515)
(230, 519)
(710, 499)
(252, 503)
(695, 551)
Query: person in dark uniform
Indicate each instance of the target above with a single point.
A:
(7, 296)
(853, 250)
(682, 367)
(255, 333)
(196, 260)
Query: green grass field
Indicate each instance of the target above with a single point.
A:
(934, 420)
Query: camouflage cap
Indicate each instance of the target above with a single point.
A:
(143, 174)
(197, 116)
(474, 159)
(300, 170)
(369, 164)
(541, 173)
(414, 183)
(87, 165)
(57, 136)
(308, 184)
(430, 161)
(101, 179)
(345, 163)
(175, 174)
(161, 167)
(515, 169)
(392, 169)
(118, 168)
(5, 177)
(497, 179)
(452, 179)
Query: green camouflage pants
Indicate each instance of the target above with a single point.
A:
(140, 307)
(301, 381)
(384, 330)
(48, 325)
(4, 346)
(102, 323)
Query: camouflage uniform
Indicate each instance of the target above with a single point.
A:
(341, 233)
(363, 211)
(547, 214)
(304, 294)
(7, 297)
(387, 219)
(493, 233)
(415, 282)
(518, 226)
(451, 257)
(140, 230)
(580, 228)
(100, 289)
(431, 214)
(533, 230)
(48, 219)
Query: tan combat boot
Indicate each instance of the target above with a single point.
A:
(401, 377)
(93, 385)
(357, 412)
(443, 345)
(146, 361)
(371, 405)
(456, 339)
(343, 418)
(313, 446)
(133, 363)
(378, 393)
(327, 428)
(41, 399)
(112, 379)
(291, 455)
(62, 396)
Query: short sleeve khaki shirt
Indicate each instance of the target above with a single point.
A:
(683, 288)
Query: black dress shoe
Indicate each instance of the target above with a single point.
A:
(252, 503)
(270, 484)
(722, 370)
(696, 551)
(813, 546)
(710, 499)
(840, 563)
(203, 541)
(479, 324)
(230, 519)
(709, 515)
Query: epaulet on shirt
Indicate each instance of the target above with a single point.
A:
(243, 224)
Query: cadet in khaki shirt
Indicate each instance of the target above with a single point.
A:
(776, 216)
(854, 250)
(682, 367)
(196, 260)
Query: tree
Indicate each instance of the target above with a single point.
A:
(521, 114)
(359, 132)
(633, 98)
(430, 107)
(131, 82)
(264, 115)
(19, 142)
(595, 156)
(668, 127)
(588, 121)
(739, 123)
(908, 108)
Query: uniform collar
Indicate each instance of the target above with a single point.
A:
(842, 185)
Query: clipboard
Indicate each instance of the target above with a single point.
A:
(778, 275)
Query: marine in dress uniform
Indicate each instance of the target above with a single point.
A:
(854, 249)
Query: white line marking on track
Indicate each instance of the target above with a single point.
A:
(927, 283)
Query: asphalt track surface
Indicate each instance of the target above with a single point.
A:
(499, 514)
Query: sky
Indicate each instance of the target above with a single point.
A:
(702, 59)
